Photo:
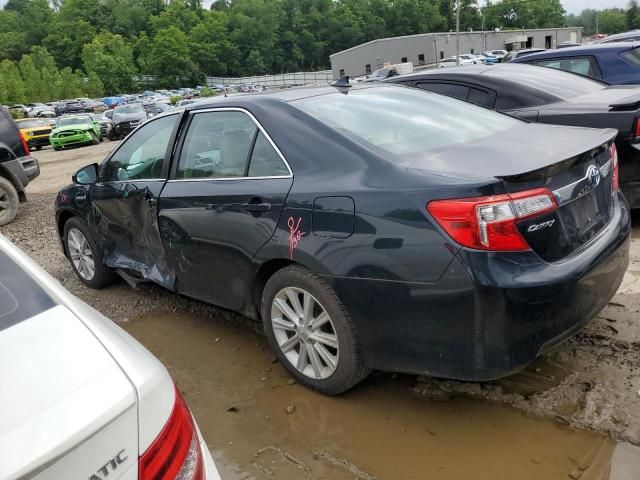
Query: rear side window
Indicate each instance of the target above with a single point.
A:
(481, 97)
(632, 56)
(449, 89)
(581, 65)
(217, 145)
(265, 161)
(404, 121)
(227, 144)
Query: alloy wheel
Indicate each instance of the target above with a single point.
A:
(81, 254)
(5, 202)
(305, 333)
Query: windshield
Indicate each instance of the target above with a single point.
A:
(404, 120)
(31, 123)
(124, 109)
(554, 82)
(381, 73)
(65, 122)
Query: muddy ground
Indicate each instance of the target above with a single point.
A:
(392, 426)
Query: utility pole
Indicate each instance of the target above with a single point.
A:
(597, 29)
(458, 32)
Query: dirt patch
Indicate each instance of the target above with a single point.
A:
(259, 425)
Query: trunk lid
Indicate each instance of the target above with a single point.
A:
(573, 163)
(70, 410)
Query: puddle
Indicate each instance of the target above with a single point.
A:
(380, 430)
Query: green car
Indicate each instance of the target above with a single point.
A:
(75, 130)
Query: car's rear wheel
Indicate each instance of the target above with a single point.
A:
(8, 201)
(85, 256)
(311, 331)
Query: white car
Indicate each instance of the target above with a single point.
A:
(81, 398)
(451, 62)
(499, 54)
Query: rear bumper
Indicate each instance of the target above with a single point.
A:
(490, 314)
(21, 171)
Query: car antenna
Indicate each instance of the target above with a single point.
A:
(341, 83)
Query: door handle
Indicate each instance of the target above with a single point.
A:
(256, 207)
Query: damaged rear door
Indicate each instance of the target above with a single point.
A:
(125, 201)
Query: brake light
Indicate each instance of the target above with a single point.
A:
(25, 145)
(175, 454)
(636, 130)
(489, 223)
(614, 165)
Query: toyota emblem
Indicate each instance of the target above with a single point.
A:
(593, 176)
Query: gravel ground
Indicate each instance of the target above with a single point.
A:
(591, 381)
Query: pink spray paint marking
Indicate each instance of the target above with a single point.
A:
(294, 235)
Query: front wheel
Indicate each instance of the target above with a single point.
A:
(311, 331)
(85, 256)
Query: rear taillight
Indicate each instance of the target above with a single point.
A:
(25, 145)
(636, 130)
(489, 223)
(614, 166)
(175, 454)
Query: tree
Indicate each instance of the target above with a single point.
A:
(612, 21)
(66, 40)
(93, 86)
(13, 89)
(210, 47)
(169, 60)
(70, 84)
(633, 14)
(110, 59)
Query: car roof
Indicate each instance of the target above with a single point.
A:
(585, 49)
(285, 94)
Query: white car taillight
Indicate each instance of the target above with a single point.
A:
(614, 163)
(175, 454)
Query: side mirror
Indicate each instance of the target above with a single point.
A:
(86, 175)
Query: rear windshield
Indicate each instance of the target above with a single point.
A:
(403, 120)
(132, 108)
(558, 83)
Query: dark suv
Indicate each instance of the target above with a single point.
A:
(17, 168)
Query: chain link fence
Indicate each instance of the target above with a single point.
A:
(275, 81)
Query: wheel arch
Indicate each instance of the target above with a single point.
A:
(63, 218)
(262, 276)
(6, 173)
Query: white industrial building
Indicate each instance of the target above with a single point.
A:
(430, 48)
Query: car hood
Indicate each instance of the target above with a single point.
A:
(31, 129)
(65, 128)
(63, 387)
(128, 117)
(524, 148)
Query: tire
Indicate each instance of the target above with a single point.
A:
(8, 201)
(102, 275)
(38, 147)
(57, 148)
(94, 140)
(101, 138)
(348, 369)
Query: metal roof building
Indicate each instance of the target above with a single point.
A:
(429, 48)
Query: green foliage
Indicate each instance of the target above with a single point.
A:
(175, 99)
(110, 59)
(67, 48)
(207, 92)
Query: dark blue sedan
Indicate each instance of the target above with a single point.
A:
(376, 226)
(616, 63)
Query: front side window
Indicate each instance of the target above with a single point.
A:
(142, 155)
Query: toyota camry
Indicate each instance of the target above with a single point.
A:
(370, 227)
